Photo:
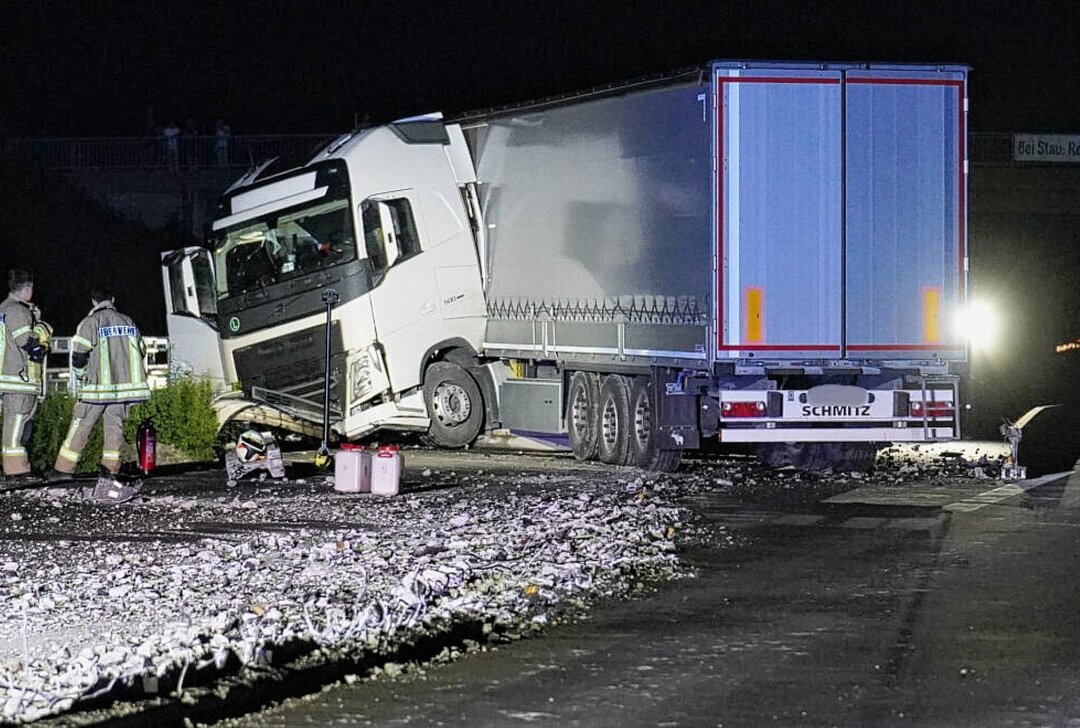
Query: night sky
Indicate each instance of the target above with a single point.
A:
(75, 68)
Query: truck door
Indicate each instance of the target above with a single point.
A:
(906, 247)
(779, 213)
(404, 297)
(191, 312)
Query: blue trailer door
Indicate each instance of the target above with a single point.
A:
(779, 217)
(905, 196)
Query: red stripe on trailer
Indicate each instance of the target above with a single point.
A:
(905, 347)
(776, 79)
(720, 172)
(907, 81)
(779, 347)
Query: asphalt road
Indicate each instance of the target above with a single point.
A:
(914, 606)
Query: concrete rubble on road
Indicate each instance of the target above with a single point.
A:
(186, 577)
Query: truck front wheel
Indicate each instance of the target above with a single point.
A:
(454, 405)
(582, 401)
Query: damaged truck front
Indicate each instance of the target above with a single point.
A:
(759, 253)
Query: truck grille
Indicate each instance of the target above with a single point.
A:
(293, 365)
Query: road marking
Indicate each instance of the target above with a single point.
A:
(798, 519)
(864, 522)
(762, 519)
(1001, 493)
(914, 524)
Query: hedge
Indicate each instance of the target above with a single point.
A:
(48, 430)
(181, 413)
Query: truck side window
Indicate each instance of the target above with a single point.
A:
(390, 232)
(373, 235)
(404, 227)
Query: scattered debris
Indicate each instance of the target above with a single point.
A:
(193, 575)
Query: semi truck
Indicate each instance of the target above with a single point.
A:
(768, 254)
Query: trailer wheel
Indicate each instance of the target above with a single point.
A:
(582, 411)
(615, 421)
(666, 461)
(454, 405)
(644, 452)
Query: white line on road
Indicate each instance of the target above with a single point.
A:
(1004, 492)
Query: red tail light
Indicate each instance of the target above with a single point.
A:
(932, 409)
(742, 409)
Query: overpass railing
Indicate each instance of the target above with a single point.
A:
(188, 152)
(207, 151)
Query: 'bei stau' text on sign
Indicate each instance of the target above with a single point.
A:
(1046, 148)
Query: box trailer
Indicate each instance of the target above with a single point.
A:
(748, 252)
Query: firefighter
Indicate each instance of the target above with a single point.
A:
(109, 360)
(21, 354)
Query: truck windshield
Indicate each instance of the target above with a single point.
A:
(283, 245)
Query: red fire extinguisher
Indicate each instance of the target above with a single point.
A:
(145, 446)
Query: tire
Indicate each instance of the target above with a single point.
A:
(815, 457)
(454, 405)
(643, 451)
(614, 423)
(582, 413)
(665, 461)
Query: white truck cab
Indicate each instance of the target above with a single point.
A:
(383, 217)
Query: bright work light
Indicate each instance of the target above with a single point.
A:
(977, 323)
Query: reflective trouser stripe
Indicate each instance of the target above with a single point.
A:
(65, 449)
(18, 409)
(16, 434)
(14, 448)
(84, 418)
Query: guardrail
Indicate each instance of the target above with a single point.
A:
(59, 378)
(189, 152)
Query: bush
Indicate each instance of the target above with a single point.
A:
(50, 427)
(182, 415)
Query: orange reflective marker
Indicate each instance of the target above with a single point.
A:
(754, 308)
(931, 314)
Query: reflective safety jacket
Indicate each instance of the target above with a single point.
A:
(114, 354)
(16, 326)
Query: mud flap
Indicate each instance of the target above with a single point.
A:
(676, 412)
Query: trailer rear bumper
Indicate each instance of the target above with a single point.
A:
(860, 434)
(836, 413)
